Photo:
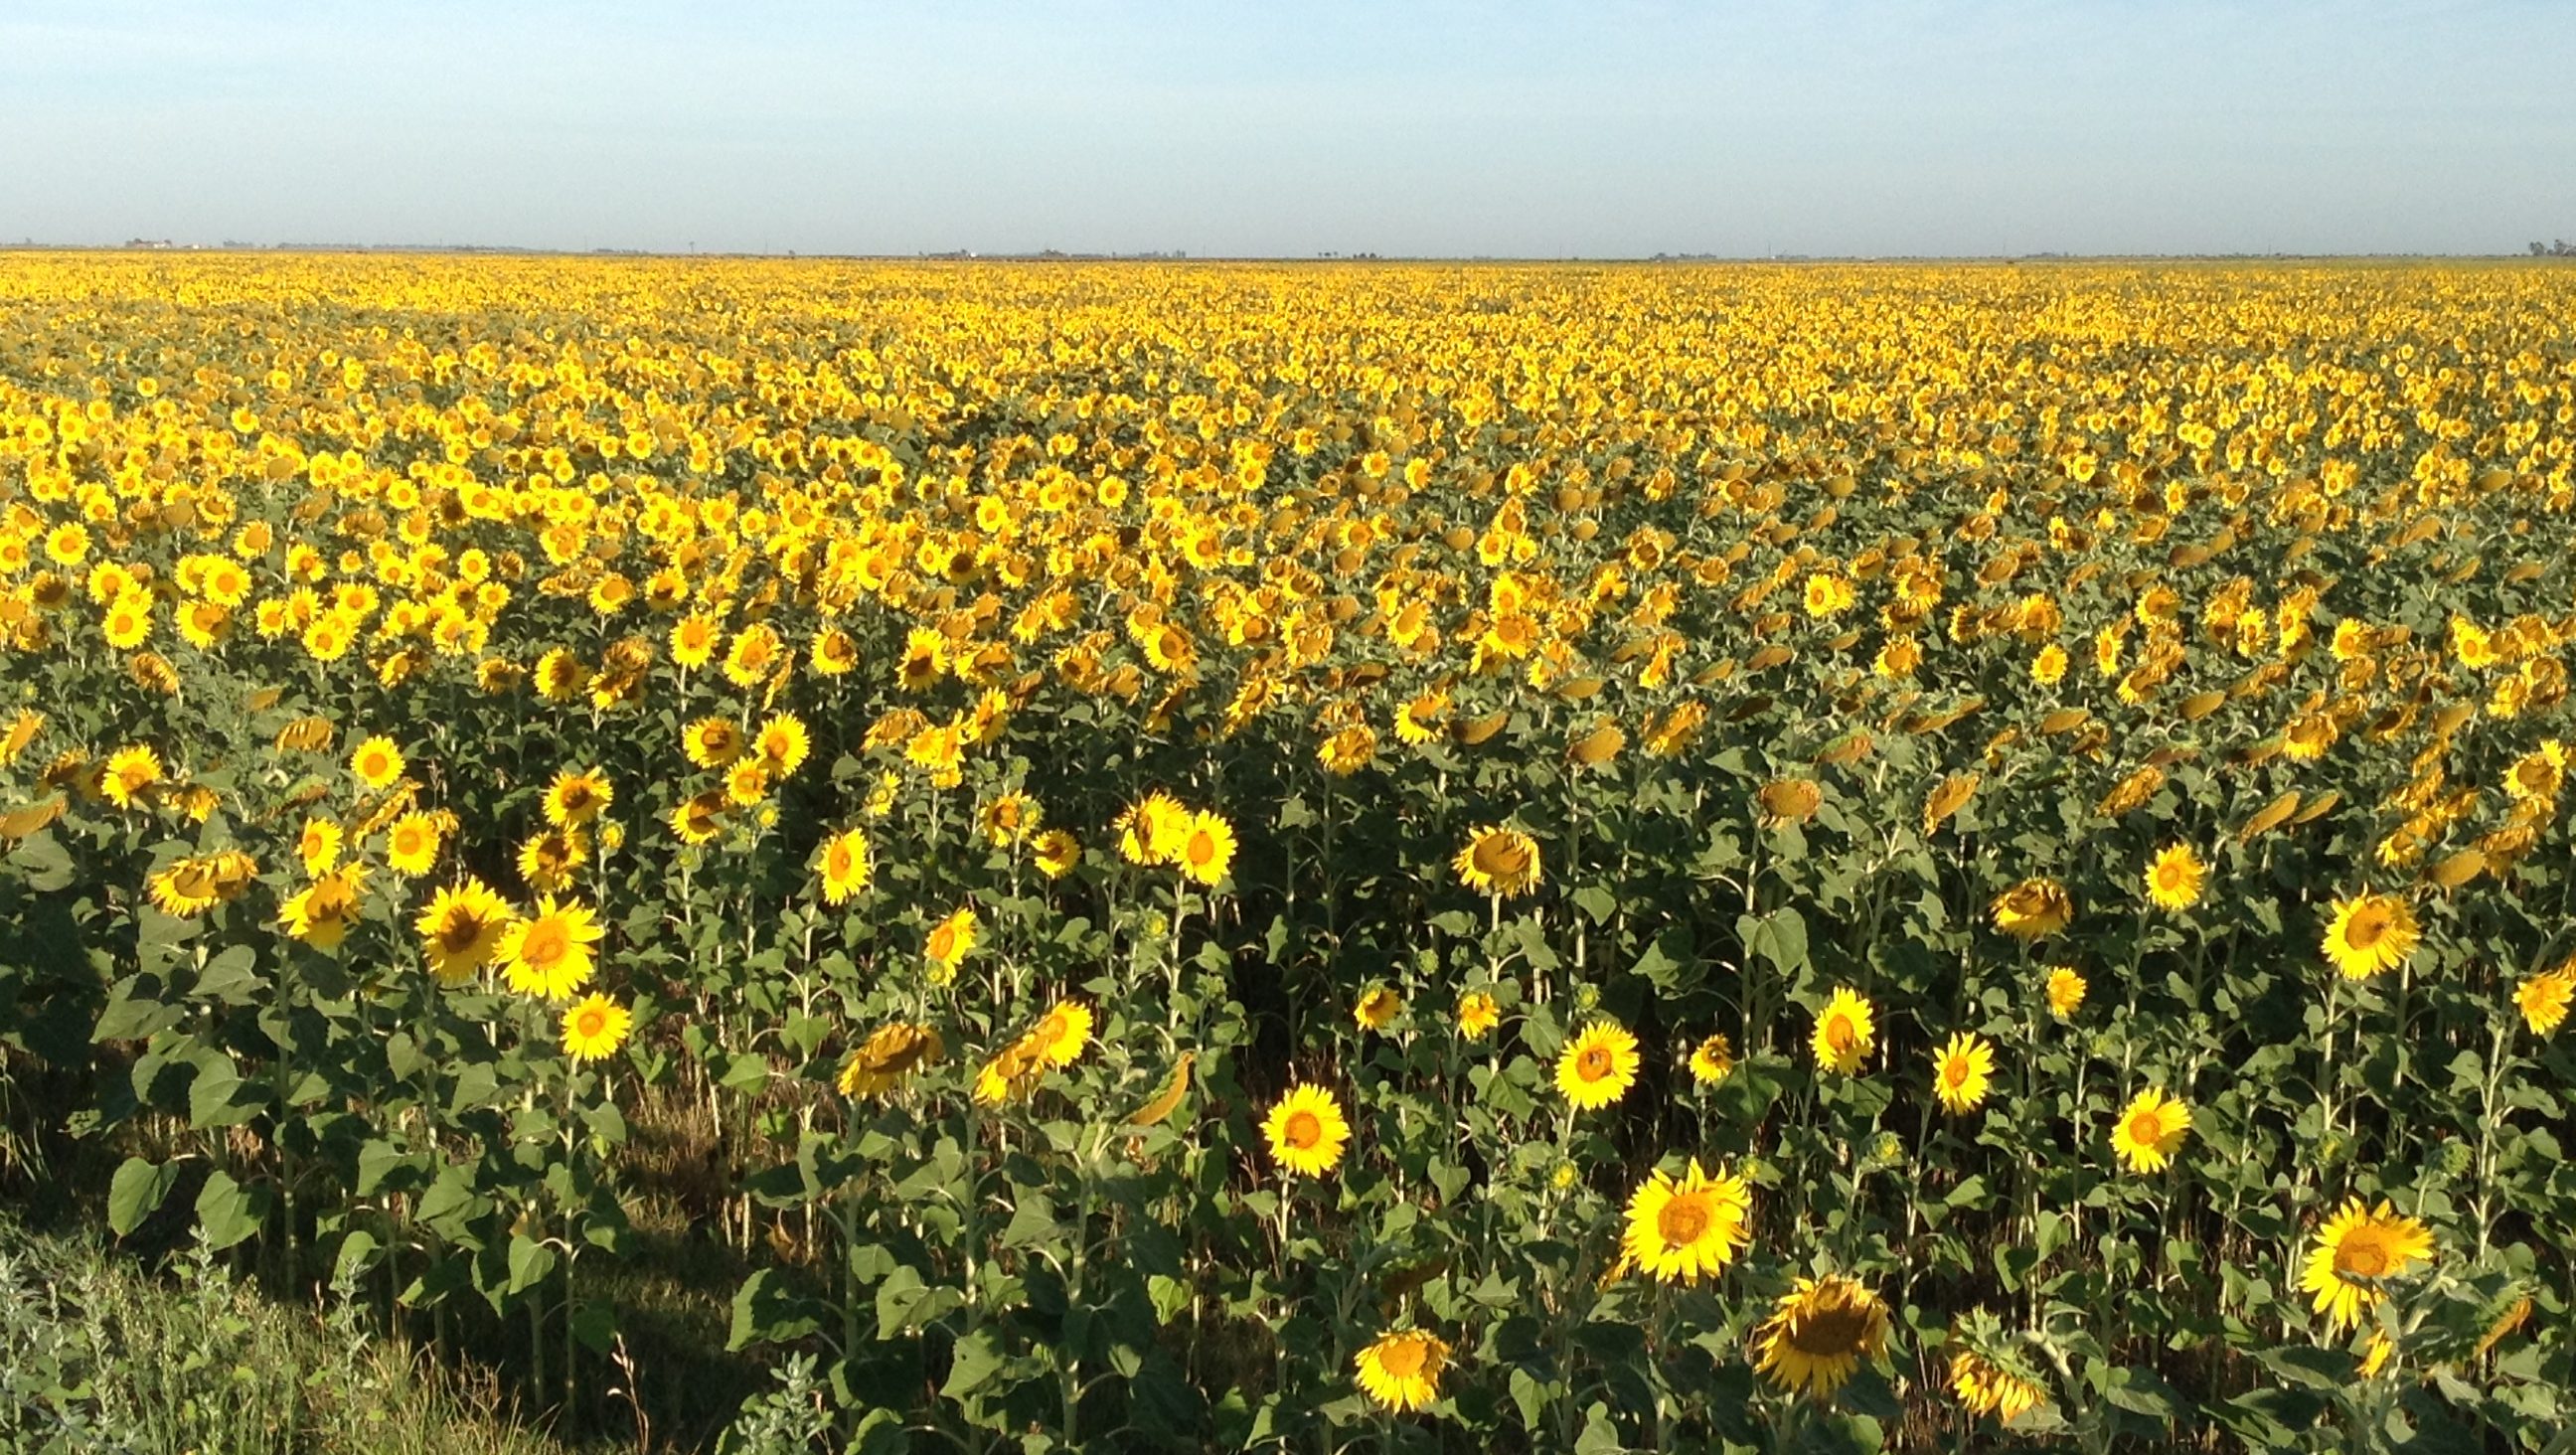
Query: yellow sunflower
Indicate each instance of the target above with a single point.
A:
(2361, 1243)
(949, 942)
(1499, 861)
(321, 914)
(1306, 1130)
(1845, 1032)
(1598, 1066)
(2151, 1130)
(575, 798)
(594, 1027)
(1402, 1370)
(1056, 852)
(1377, 1008)
(461, 930)
(784, 743)
(1684, 1229)
(1059, 1036)
(376, 763)
(2033, 909)
(2370, 934)
(890, 1054)
(1961, 1069)
(549, 953)
(2543, 998)
(1712, 1060)
(713, 742)
(846, 866)
(411, 845)
(2173, 880)
(1818, 1334)
(1478, 1014)
(1207, 848)
(2065, 991)
(131, 772)
(1985, 1387)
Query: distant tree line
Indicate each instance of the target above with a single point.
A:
(2558, 249)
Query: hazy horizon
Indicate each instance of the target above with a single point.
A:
(1864, 128)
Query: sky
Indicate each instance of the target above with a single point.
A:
(1537, 128)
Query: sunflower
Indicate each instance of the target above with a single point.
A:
(548, 858)
(1683, 1229)
(1056, 852)
(1597, 1067)
(22, 732)
(1402, 1370)
(1306, 1130)
(186, 888)
(1377, 1008)
(890, 1054)
(1845, 1032)
(549, 955)
(1009, 819)
(594, 1027)
(131, 772)
(376, 763)
(461, 929)
(2065, 991)
(2361, 1243)
(1059, 1036)
(1960, 1070)
(1712, 1060)
(575, 798)
(784, 744)
(1986, 1387)
(2173, 880)
(1818, 1334)
(1207, 848)
(713, 742)
(2033, 909)
(949, 941)
(411, 845)
(1499, 861)
(699, 817)
(2371, 933)
(846, 866)
(2543, 998)
(747, 782)
(1151, 830)
(1478, 1014)
(321, 914)
(2151, 1130)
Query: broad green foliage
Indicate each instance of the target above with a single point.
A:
(1332, 858)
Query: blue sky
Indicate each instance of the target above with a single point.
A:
(1610, 128)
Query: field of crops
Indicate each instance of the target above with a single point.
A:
(1324, 858)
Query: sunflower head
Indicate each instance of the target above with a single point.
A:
(1819, 1333)
(1306, 1130)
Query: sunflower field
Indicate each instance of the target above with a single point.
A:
(1323, 858)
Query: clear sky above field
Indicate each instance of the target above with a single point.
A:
(1546, 128)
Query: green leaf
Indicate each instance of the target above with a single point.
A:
(530, 1262)
(1597, 902)
(137, 1192)
(977, 1359)
(357, 1251)
(1032, 1221)
(1600, 1433)
(231, 977)
(227, 1212)
(765, 1312)
(42, 863)
(1779, 937)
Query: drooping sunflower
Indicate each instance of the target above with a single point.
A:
(1961, 1069)
(1597, 1066)
(846, 866)
(1683, 1229)
(1712, 1060)
(1207, 848)
(2370, 934)
(2151, 1130)
(1306, 1130)
(2543, 998)
(1818, 1334)
(548, 954)
(594, 1027)
(188, 887)
(320, 915)
(1986, 1387)
(2361, 1243)
(376, 763)
(1499, 861)
(1845, 1032)
(2065, 991)
(1478, 1014)
(1402, 1370)
(1377, 1008)
(2033, 909)
(577, 797)
(890, 1054)
(2173, 880)
(461, 930)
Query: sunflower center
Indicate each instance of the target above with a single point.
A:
(1829, 1332)
(1402, 1358)
(2363, 1255)
(543, 944)
(2146, 1128)
(2170, 876)
(1841, 1034)
(1304, 1130)
(1594, 1064)
(459, 933)
(2367, 926)
(1499, 858)
(591, 1023)
(1683, 1220)
(1954, 1072)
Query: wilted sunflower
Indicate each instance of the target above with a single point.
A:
(1818, 1334)
(2173, 880)
(1402, 1370)
(846, 866)
(2361, 1243)
(1598, 1066)
(1306, 1130)
(2370, 934)
(1788, 801)
(2151, 1130)
(890, 1054)
(1844, 1032)
(1985, 1387)
(461, 930)
(594, 1027)
(1960, 1071)
(1683, 1229)
(2033, 909)
(1499, 861)
(549, 953)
